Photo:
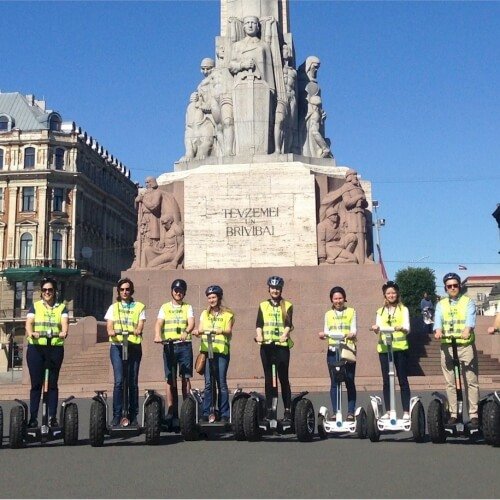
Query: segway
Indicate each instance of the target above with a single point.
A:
(491, 419)
(377, 425)
(99, 413)
(191, 423)
(67, 429)
(259, 421)
(338, 424)
(438, 412)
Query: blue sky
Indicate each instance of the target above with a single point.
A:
(411, 90)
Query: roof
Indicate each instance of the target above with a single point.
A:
(482, 279)
(27, 114)
(34, 273)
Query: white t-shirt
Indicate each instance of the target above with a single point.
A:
(161, 314)
(109, 313)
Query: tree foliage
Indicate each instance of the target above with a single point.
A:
(413, 282)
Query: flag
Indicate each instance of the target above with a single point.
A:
(462, 267)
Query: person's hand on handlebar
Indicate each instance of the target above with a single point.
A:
(322, 335)
(375, 328)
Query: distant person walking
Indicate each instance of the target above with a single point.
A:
(427, 309)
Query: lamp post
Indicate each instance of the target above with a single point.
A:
(377, 225)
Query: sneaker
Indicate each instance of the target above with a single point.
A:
(53, 422)
(452, 421)
(133, 422)
(386, 416)
(406, 416)
(115, 422)
(474, 422)
(287, 415)
(269, 415)
(33, 423)
(350, 417)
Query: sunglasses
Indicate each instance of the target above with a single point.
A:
(125, 289)
(450, 287)
(178, 290)
(47, 290)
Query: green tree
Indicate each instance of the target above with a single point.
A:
(413, 282)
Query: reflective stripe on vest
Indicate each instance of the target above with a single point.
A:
(454, 317)
(211, 323)
(399, 340)
(47, 319)
(341, 323)
(126, 319)
(274, 322)
(175, 321)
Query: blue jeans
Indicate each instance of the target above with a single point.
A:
(400, 363)
(134, 360)
(221, 362)
(183, 352)
(350, 372)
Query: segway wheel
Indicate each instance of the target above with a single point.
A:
(70, 425)
(305, 420)
(362, 424)
(251, 420)
(418, 422)
(435, 422)
(152, 422)
(491, 423)
(17, 429)
(97, 427)
(321, 427)
(238, 416)
(189, 426)
(372, 429)
(1, 426)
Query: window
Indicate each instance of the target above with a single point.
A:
(28, 199)
(4, 123)
(23, 297)
(55, 123)
(59, 159)
(57, 199)
(29, 158)
(26, 249)
(57, 250)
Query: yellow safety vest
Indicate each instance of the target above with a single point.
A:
(175, 322)
(341, 323)
(47, 319)
(126, 319)
(399, 340)
(454, 317)
(212, 322)
(274, 322)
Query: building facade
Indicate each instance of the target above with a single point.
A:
(66, 210)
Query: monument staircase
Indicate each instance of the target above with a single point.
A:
(88, 367)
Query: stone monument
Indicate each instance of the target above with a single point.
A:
(258, 191)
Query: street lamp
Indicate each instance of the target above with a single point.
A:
(377, 225)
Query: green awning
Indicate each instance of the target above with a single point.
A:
(38, 272)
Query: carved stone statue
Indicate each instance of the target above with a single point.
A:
(168, 252)
(155, 208)
(351, 209)
(335, 246)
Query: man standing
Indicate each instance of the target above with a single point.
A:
(427, 309)
(456, 317)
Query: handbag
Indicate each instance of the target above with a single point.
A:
(199, 364)
(348, 352)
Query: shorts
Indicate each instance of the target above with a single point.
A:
(183, 352)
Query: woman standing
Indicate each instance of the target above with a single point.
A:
(125, 315)
(217, 320)
(342, 319)
(393, 314)
(273, 328)
(46, 329)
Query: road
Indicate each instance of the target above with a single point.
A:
(281, 467)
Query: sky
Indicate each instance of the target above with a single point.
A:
(411, 91)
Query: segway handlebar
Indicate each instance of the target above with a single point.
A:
(335, 335)
(267, 342)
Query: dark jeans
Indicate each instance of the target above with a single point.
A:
(38, 358)
(350, 372)
(134, 360)
(221, 363)
(281, 356)
(401, 364)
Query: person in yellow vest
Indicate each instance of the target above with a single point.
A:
(219, 319)
(125, 315)
(273, 328)
(45, 317)
(176, 322)
(393, 314)
(341, 318)
(456, 316)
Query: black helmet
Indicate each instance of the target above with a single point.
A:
(214, 289)
(275, 282)
(390, 284)
(451, 276)
(337, 289)
(179, 284)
